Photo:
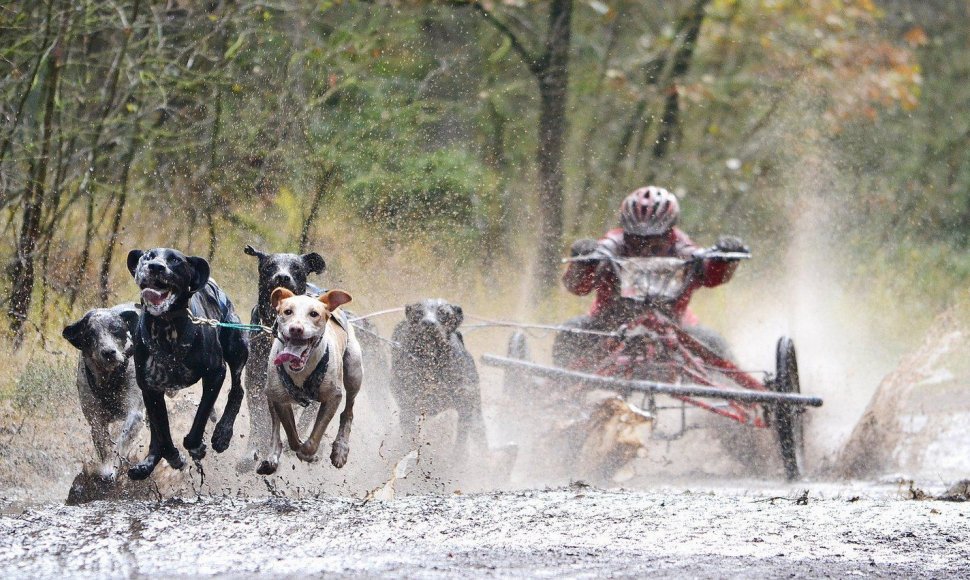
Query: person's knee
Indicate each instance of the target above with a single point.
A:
(712, 340)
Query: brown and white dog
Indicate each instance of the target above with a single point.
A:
(315, 357)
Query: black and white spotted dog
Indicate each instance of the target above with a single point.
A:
(283, 270)
(172, 353)
(432, 371)
(106, 381)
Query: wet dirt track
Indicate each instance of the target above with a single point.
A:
(574, 531)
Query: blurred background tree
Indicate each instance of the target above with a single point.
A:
(492, 132)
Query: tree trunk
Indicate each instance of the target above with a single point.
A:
(35, 70)
(110, 92)
(325, 184)
(670, 118)
(553, 77)
(582, 209)
(551, 71)
(103, 277)
(22, 287)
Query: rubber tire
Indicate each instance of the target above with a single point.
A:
(787, 419)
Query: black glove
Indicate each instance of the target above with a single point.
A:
(731, 244)
(583, 248)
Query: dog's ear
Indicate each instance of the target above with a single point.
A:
(200, 273)
(254, 252)
(131, 320)
(313, 262)
(412, 312)
(133, 257)
(454, 318)
(77, 333)
(335, 299)
(279, 295)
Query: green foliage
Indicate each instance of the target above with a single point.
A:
(440, 186)
(43, 383)
(428, 115)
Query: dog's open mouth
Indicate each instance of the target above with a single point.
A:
(295, 353)
(157, 300)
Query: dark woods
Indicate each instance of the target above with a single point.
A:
(499, 129)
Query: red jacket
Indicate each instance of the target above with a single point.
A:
(581, 278)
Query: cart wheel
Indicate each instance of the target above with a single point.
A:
(518, 349)
(788, 421)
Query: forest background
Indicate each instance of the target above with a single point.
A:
(456, 148)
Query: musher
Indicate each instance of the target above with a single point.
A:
(647, 229)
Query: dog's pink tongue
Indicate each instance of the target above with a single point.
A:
(288, 354)
(284, 358)
(154, 296)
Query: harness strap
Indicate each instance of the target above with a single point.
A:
(303, 395)
(340, 318)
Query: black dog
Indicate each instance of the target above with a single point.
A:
(288, 271)
(172, 353)
(432, 371)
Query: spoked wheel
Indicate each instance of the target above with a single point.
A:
(787, 419)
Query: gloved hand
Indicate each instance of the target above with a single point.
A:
(731, 244)
(584, 247)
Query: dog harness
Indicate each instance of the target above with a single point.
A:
(304, 395)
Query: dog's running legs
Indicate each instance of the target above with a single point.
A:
(161, 445)
(211, 385)
(237, 353)
(328, 408)
(222, 435)
(127, 436)
(353, 377)
(256, 401)
(285, 413)
(102, 443)
(269, 465)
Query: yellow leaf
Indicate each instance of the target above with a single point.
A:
(916, 36)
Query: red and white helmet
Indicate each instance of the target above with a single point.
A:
(649, 211)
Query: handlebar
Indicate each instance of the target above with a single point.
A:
(707, 254)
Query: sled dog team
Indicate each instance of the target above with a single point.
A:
(131, 356)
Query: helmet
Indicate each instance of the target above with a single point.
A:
(649, 211)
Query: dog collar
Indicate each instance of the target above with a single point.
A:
(303, 395)
(174, 314)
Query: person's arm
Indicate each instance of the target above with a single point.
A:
(717, 271)
(580, 277)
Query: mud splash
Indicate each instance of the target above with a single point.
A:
(576, 531)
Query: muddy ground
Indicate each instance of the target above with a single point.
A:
(574, 531)
(710, 504)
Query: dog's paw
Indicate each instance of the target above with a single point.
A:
(221, 438)
(266, 468)
(108, 472)
(338, 457)
(142, 470)
(305, 453)
(197, 453)
(175, 459)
